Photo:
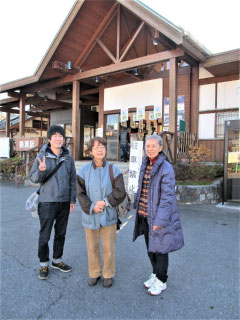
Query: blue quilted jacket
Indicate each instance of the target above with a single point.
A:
(162, 207)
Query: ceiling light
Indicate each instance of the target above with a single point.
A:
(96, 79)
(69, 65)
(135, 72)
(155, 42)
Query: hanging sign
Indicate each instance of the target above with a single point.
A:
(157, 112)
(140, 113)
(124, 115)
(134, 116)
(151, 115)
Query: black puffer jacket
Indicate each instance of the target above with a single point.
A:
(61, 187)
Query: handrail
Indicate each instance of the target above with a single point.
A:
(27, 171)
(27, 162)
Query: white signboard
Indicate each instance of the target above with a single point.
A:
(135, 161)
(100, 132)
(5, 148)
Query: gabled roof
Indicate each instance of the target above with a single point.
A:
(76, 22)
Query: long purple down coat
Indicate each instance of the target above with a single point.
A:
(162, 208)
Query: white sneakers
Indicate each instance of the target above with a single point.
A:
(147, 284)
(154, 285)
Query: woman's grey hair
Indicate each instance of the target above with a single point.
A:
(156, 137)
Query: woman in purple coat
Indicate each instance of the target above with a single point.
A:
(157, 216)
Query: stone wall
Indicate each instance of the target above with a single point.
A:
(200, 194)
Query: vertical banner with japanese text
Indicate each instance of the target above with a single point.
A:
(135, 161)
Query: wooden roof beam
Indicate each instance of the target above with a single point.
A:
(113, 68)
(105, 49)
(63, 67)
(97, 34)
(133, 39)
(34, 114)
(8, 100)
(118, 33)
(129, 35)
(89, 91)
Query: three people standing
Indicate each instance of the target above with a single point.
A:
(157, 216)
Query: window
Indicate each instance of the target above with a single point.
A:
(221, 118)
(68, 130)
(37, 124)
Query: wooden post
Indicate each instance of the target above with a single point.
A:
(194, 94)
(75, 119)
(8, 124)
(173, 80)
(101, 110)
(22, 117)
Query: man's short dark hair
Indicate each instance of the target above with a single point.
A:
(55, 129)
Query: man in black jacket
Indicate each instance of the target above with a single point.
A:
(57, 198)
(124, 140)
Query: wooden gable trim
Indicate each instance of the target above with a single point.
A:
(222, 58)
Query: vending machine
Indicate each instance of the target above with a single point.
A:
(231, 181)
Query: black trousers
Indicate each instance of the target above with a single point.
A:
(159, 261)
(124, 148)
(48, 213)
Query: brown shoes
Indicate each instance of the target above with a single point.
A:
(93, 281)
(107, 283)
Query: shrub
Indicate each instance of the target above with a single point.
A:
(8, 165)
(197, 172)
(199, 154)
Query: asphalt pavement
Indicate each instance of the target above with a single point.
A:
(203, 276)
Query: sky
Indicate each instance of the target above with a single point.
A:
(28, 28)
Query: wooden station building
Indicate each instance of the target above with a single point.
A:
(116, 54)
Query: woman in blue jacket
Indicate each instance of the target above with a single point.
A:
(98, 198)
(157, 214)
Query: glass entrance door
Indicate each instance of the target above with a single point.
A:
(232, 162)
(112, 135)
(89, 133)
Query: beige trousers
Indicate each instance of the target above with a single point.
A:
(108, 235)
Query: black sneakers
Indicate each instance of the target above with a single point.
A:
(61, 266)
(43, 273)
